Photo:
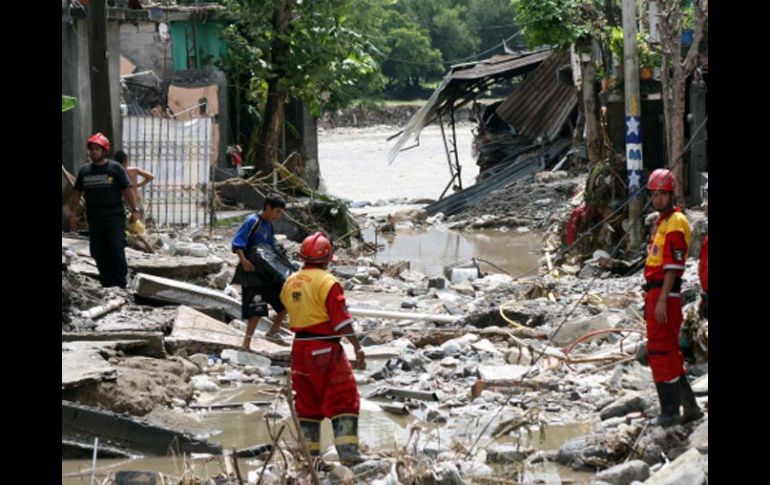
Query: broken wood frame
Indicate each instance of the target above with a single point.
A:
(455, 169)
(474, 88)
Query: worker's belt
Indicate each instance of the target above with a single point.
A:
(659, 284)
(316, 336)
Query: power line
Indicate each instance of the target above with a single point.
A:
(451, 61)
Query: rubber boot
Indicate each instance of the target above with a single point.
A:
(690, 406)
(345, 428)
(311, 431)
(669, 404)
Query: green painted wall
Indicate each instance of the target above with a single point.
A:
(208, 41)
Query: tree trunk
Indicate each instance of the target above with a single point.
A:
(270, 135)
(676, 142)
(593, 139)
(237, 137)
(675, 73)
(263, 149)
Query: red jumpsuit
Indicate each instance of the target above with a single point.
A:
(703, 265)
(703, 274)
(321, 373)
(667, 251)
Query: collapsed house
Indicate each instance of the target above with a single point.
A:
(169, 106)
(524, 133)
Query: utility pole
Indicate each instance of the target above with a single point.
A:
(101, 107)
(633, 123)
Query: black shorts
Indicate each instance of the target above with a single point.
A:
(254, 301)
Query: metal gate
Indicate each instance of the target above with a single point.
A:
(179, 154)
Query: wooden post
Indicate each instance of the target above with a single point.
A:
(101, 106)
(634, 162)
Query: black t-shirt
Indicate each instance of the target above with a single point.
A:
(102, 186)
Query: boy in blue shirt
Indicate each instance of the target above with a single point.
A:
(256, 294)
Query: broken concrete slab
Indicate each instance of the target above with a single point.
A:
(397, 409)
(374, 351)
(699, 439)
(502, 374)
(81, 424)
(85, 267)
(574, 329)
(687, 468)
(175, 267)
(629, 403)
(464, 288)
(73, 450)
(246, 358)
(625, 473)
(518, 356)
(394, 392)
(505, 454)
(485, 345)
(138, 320)
(459, 275)
(83, 363)
(493, 282)
(150, 344)
(141, 384)
(201, 360)
(197, 332)
(171, 291)
(77, 246)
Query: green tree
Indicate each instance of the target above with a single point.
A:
(491, 21)
(678, 65)
(558, 23)
(447, 24)
(412, 61)
(291, 49)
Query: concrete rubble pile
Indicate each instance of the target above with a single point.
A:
(473, 397)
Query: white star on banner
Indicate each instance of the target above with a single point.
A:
(633, 180)
(632, 125)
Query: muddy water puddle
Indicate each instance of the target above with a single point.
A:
(429, 251)
(378, 430)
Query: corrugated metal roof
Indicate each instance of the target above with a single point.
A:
(497, 64)
(541, 105)
(522, 166)
(526, 165)
(462, 84)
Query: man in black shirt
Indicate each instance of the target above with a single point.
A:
(104, 183)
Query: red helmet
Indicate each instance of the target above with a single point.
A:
(661, 179)
(100, 140)
(316, 249)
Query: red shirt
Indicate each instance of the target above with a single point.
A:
(668, 246)
(703, 265)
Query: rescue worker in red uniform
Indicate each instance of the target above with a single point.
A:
(666, 256)
(703, 265)
(321, 374)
